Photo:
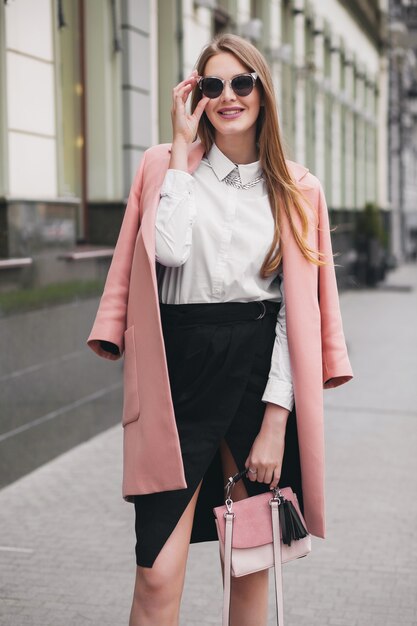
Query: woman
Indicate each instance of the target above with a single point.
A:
(216, 359)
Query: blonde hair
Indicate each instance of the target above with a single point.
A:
(282, 189)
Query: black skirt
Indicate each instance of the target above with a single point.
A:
(219, 357)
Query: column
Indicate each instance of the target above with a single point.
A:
(319, 64)
(349, 133)
(104, 106)
(328, 130)
(242, 13)
(336, 123)
(4, 165)
(300, 78)
(287, 78)
(170, 41)
(29, 77)
(360, 161)
(138, 65)
(273, 44)
(310, 93)
(343, 125)
(370, 124)
(381, 114)
(197, 32)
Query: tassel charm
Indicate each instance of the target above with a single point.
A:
(291, 525)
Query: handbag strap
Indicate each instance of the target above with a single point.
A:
(276, 536)
(227, 570)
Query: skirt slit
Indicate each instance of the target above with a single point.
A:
(219, 357)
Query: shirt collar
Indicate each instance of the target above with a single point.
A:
(222, 166)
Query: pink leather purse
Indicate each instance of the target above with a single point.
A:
(258, 533)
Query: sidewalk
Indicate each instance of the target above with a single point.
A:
(67, 537)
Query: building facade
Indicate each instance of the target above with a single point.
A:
(85, 88)
(91, 90)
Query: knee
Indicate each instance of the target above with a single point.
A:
(157, 583)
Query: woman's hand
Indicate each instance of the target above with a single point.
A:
(267, 452)
(185, 126)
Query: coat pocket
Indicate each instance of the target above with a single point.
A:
(130, 384)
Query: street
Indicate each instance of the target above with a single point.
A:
(67, 537)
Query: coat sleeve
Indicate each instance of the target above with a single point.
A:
(107, 335)
(336, 366)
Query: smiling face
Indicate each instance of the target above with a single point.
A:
(232, 115)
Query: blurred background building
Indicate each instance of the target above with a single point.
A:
(86, 88)
(403, 126)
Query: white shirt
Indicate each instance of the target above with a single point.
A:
(211, 240)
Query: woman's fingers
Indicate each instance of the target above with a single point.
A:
(183, 123)
(266, 457)
(179, 98)
(251, 473)
(178, 112)
(275, 479)
(183, 92)
(180, 95)
(198, 111)
(186, 84)
(268, 476)
(260, 475)
(263, 474)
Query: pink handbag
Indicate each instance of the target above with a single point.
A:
(258, 533)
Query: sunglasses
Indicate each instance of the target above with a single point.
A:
(242, 84)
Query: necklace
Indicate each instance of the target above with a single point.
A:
(233, 179)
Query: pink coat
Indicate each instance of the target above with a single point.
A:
(129, 317)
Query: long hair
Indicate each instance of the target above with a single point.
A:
(282, 190)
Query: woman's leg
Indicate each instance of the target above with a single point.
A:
(249, 594)
(158, 589)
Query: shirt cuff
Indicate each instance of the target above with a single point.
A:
(279, 392)
(177, 183)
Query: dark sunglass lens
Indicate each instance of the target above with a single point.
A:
(212, 87)
(242, 85)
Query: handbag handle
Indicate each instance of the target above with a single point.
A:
(234, 479)
(232, 482)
